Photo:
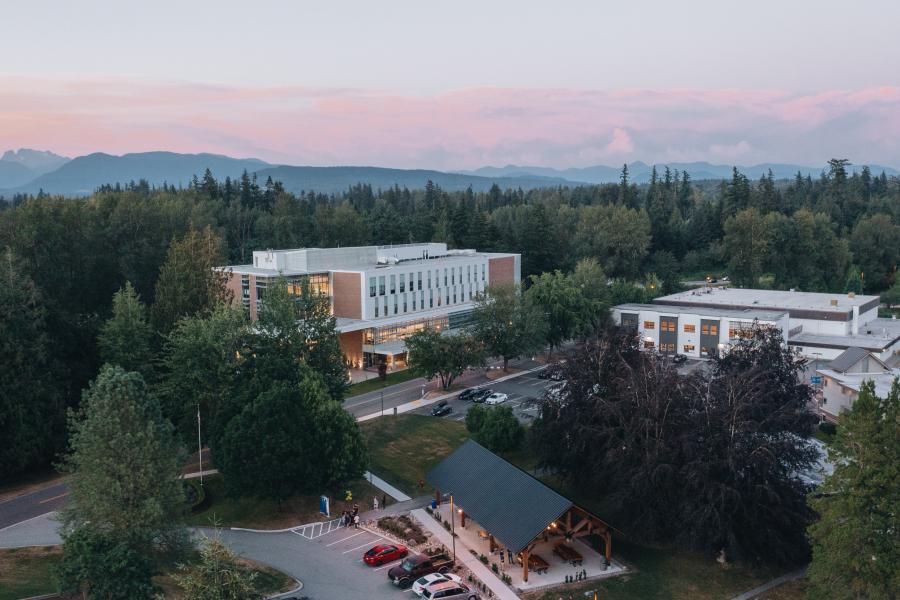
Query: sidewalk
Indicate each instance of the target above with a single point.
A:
(463, 556)
(385, 487)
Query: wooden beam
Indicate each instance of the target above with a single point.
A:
(462, 517)
(525, 554)
(608, 538)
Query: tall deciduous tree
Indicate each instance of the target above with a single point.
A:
(291, 438)
(189, 282)
(507, 323)
(496, 427)
(618, 236)
(127, 338)
(432, 354)
(31, 406)
(561, 303)
(855, 549)
(747, 246)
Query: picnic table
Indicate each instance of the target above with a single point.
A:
(535, 563)
(568, 554)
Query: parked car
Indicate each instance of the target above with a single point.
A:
(384, 553)
(441, 408)
(679, 358)
(482, 395)
(421, 583)
(469, 394)
(449, 589)
(414, 567)
(496, 398)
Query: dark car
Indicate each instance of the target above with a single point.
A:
(482, 395)
(441, 408)
(551, 372)
(679, 359)
(404, 574)
(467, 395)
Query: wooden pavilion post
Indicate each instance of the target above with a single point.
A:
(525, 554)
(608, 551)
(462, 517)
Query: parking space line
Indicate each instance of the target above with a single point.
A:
(345, 539)
(363, 546)
(388, 566)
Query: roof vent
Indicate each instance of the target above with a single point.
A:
(851, 294)
(834, 302)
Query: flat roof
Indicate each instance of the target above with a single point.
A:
(433, 260)
(762, 315)
(346, 324)
(777, 299)
(876, 335)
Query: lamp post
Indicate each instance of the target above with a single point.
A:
(453, 526)
(199, 444)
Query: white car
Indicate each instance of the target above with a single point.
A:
(421, 583)
(496, 398)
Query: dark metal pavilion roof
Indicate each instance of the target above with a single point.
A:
(508, 502)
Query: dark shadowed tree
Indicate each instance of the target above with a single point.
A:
(433, 354)
(507, 323)
(127, 338)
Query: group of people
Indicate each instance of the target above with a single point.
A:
(349, 517)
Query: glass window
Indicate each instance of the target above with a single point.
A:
(422, 300)
(395, 304)
(376, 309)
(402, 282)
(649, 325)
(371, 287)
(445, 277)
(688, 347)
(381, 286)
(393, 284)
(690, 328)
(648, 345)
(405, 308)
(419, 277)
(429, 279)
(452, 275)
(482, 272)
(430, 298)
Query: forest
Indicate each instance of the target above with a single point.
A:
(63, 259)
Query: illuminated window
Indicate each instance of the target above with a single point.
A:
(666, 325)
(690, 328)
(649, 325)
(648, 345)
(688, 348)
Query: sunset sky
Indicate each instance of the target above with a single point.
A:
(454, 85)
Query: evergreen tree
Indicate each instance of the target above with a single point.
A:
(855, 549)
(854, 281)
(31, 406)
(189, 282)
(127, 339)
(217, 575)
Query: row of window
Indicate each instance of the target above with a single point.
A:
(408, 301)
(387, 284)
(670, 347)
(669, 326)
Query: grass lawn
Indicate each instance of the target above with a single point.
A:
(792, 590)
(256, 513)
(404, 447)
(666, 575)
(371, 385)
(25, 572)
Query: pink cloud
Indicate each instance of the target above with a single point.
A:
(459, 129)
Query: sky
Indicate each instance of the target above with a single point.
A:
(456, 85)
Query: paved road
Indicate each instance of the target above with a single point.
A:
(395, 395)
(523, 392)
(28, 506)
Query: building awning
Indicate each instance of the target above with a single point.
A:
(390, 348)
(509, 503)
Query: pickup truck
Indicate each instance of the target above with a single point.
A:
(404, 574)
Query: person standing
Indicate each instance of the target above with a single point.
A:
(375, 503)
(356, 521)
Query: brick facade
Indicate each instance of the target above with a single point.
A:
(346, 290)
(502, 270)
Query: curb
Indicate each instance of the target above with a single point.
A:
(293, 591)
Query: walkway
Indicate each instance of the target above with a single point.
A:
(463, 556)
(799, 574)
(385, 487)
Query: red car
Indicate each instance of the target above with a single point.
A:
(384, 553)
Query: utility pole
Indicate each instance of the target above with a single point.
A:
(382, 403)
(199, 444)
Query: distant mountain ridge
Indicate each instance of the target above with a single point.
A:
(640, 172)
(30, 171)
(20, 166)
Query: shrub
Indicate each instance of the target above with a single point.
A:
(828, 428)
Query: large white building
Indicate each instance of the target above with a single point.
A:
(819, 325)
(380, 294)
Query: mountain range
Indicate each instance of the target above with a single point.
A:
(30, 171)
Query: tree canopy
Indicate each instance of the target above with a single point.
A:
(433, 354)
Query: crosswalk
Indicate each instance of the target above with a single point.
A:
(315, 530)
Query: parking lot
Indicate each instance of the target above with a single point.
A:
(330, 566)
(523, 392)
